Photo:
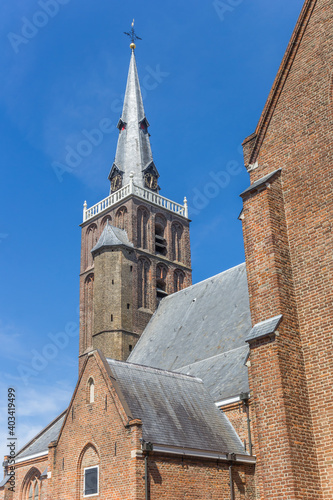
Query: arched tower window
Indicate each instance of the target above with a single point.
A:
(177, 232)
(88, 310)
(91, 240)
(143, 283)
(105, 219)
(91, 391)
(179, 278)
(160, 241)
(143, 217)
(161, 275)
(121, 218)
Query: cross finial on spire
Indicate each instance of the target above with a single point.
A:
(133, 36)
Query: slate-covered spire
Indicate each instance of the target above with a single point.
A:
(133, 148)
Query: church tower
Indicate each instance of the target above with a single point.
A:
(135, 246)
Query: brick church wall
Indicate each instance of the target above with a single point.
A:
(94, 434)
(23, 472)
(236, 414)
(289, 264)
(189, 479)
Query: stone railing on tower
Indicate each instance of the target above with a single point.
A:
(140, 192)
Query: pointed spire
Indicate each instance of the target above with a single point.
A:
(133, 148)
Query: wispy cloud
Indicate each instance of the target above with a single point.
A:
(35, 408)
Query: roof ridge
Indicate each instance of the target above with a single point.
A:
(153, 369)
(212, 357)
(203, 281)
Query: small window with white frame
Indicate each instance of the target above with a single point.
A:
(91, 483)
(91, 391)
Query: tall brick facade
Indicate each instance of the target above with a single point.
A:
(287, 223)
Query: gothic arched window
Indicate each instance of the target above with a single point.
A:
(105, 219)
(143, 217)
(160, 242)
(91, 240)
(88, 310)
(32, 486)
(91, 391)
(88, 477)
(121, 218)
(143, 283)
(177, 232)
(161, 275)
(179, 278)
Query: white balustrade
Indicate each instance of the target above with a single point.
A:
(138, 191)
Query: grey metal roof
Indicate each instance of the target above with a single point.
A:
(4, 480)
(175, 409)
(264, 328)
(112, 236)
(199, 323)
(224, 375)
(40, 442)
(133, 148)
(260, 182)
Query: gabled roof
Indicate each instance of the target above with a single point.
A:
(133, 149)
(258, 137)
(175, 409)
(193, 327)
(40, 442)
(112, 236)
(224, 375)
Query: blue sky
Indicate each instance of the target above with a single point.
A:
(206, 69)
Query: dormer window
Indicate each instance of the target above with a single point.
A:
(121, 125)
(144, 125)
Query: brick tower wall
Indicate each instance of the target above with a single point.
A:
(172, 269)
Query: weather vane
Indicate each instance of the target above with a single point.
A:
(133, 36)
